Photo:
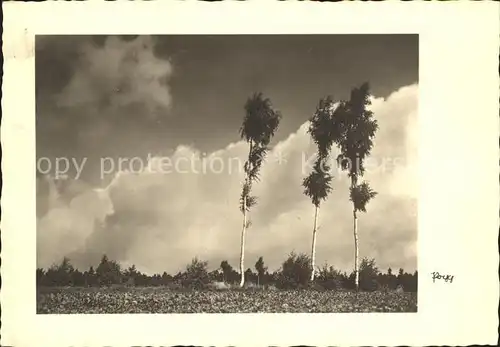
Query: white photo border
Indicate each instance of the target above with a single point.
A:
(458, 209)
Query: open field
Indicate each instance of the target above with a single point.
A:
(166, 300)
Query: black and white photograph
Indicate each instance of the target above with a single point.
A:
(244, 173)
(226, 173)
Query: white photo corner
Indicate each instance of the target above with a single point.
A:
(192, 173)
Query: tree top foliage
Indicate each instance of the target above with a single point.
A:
(355, 128)
(260, 122)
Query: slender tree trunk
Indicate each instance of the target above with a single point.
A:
(242, 255)
(313, 250)
(244, 228)
(355, 229)
(356, 250)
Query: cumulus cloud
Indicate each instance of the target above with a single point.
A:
(98, 98)
(70, 215)
(158, 220)
(118, 74)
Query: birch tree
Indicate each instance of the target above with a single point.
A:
(259, 126)
(317, 185)
(357, 128)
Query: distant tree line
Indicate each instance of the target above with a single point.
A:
(294, 273)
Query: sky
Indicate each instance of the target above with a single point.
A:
(112, 110)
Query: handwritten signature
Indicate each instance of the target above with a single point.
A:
(438, 276)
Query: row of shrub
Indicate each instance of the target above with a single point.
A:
(295, 272)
